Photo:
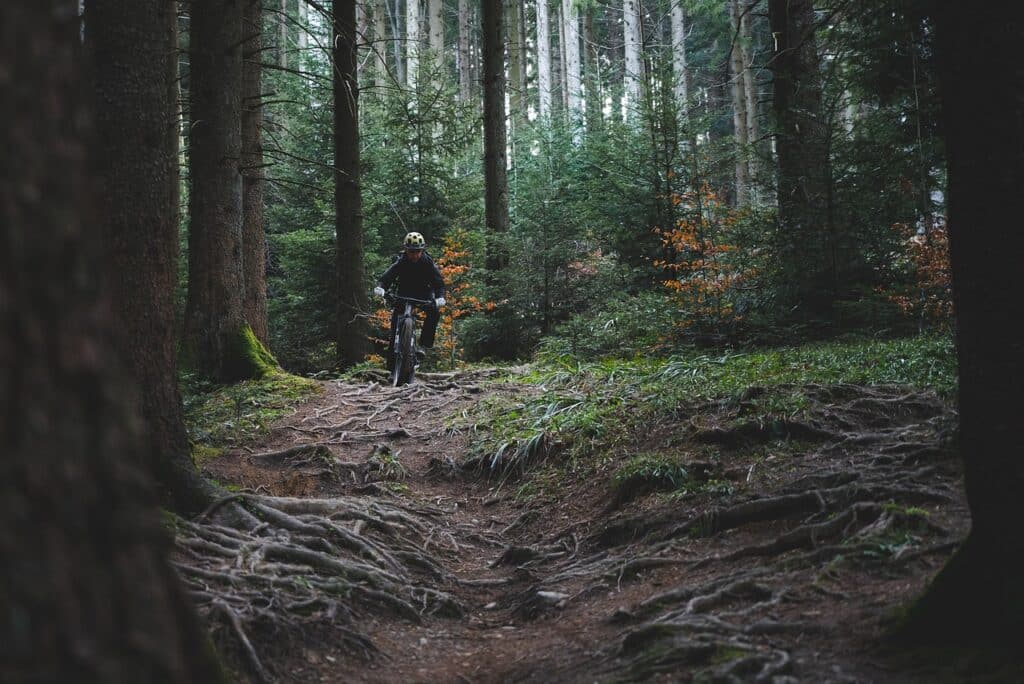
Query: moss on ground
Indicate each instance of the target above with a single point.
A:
(221, 415)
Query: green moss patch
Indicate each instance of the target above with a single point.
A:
(221, 415)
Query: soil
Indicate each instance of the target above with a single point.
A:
(575, 580)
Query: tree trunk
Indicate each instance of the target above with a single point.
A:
(561, 73)
(364, 38)
(282, 35)
(254, 241)
(543, 59)
(303, 37)
(806, 250)
(571, 52)
(495, 157)
(465, 76)
(591, 71)
(219, 343)
(633, 39)
(353, 305)
(397, 44)
(413, 38)
(750, 92)
(135, 63)
(379, 46)
(516, 64)
(87, 592)
(978, 599)
(681, 76)
(739, 107)
(435, 21)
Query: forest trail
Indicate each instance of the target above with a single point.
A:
(787, 578)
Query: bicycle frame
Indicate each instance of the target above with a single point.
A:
(404, 351)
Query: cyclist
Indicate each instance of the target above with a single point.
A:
(417, 278)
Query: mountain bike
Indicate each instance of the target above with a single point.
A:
(404, 365)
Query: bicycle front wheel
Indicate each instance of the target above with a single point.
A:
(406, 362)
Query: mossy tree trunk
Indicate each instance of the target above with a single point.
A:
(978, 598)
(353, 305)
(133, 45)
(254, 242)
(219, 343)
(86, 590)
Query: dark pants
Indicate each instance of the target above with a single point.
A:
(426, 333)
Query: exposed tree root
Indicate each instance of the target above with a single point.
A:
(312, 561)
(880, 454)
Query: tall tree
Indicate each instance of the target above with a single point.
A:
(218, 341)
(573, 82)
(135, 63)
(978, 599)
(516, 62)
(807, 246)
(746, 37)
(495, 156)
(739, 107)
(254, 241)
(413, 40)
(435, 31)
(465, 75)
(87, 592)
(379, 45)
(682, 79)
(543, 59)
(632, 54)
(353, 305)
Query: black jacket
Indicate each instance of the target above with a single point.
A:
(419, 280)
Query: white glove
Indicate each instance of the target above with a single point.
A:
(379, 291)
(439, 302)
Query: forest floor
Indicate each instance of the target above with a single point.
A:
(784, 563)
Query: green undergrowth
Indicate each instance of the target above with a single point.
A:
(589, 410)
(222, 415)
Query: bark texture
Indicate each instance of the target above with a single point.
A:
(86, 589)
(571, 59)
(219, 343)
(413, 39)
(495, 156)
(516, 63)
(465, 77)
(739, 109)
(978, 598)
(353, 306)
(543, 59)
(137, 135)
(633, 35)
(806, 247)
(254, 241)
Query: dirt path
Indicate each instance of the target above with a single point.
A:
(789, 582)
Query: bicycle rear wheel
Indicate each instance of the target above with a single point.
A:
(406, 361)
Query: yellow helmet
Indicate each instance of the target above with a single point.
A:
(414, 241)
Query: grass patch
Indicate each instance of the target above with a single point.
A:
(220, 415)
(657, 470)
(605, 405)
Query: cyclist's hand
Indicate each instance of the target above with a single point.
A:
(439, 302)
(379, 291)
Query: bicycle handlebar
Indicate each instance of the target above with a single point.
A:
(397, 298)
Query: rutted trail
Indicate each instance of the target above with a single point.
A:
(440, 576)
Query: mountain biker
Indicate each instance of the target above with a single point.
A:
(417, 277)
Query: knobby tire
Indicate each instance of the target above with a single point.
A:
(406, 362)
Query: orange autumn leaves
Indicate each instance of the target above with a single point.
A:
(927, 259)
(702, 277)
